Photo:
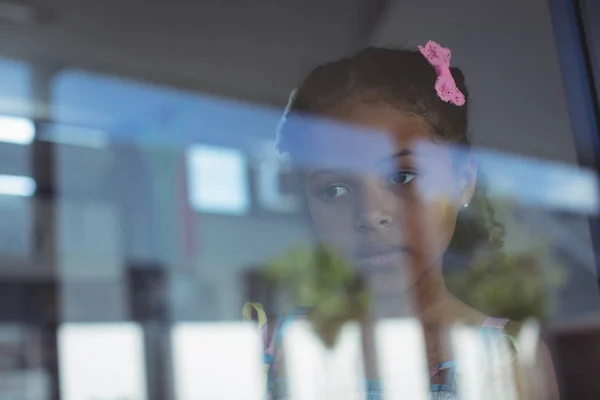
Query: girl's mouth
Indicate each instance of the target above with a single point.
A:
(377, 257)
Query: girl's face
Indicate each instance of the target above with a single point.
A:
(394, 217)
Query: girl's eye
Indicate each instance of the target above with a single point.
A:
(333, 191)
(402, 177)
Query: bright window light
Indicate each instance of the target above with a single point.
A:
(469, 349)
(16, 130)
(217, 180)
(217, 361)
(315, 372)
(101, 361)
(15, 185)
(402, 359)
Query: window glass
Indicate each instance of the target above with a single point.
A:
(362, 199)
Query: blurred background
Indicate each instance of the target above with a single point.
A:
(139, 187)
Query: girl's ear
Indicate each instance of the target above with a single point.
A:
(467, 179)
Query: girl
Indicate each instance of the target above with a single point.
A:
(398, 225)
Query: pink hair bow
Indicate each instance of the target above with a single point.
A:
(445, 86)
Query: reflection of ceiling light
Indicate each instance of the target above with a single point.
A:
(217, 180)
(16, 130)
(74, 136)
(14, 185)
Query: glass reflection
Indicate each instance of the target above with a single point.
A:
(372, 221)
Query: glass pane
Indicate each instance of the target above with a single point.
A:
(305, 200)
